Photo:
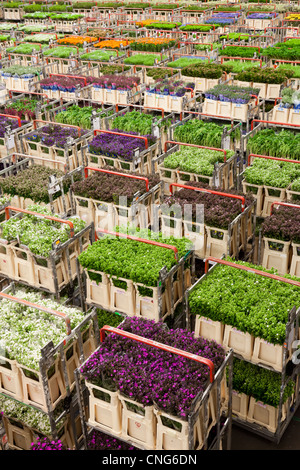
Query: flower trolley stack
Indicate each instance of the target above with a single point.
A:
(227, 303)
(152, 282)
(137, 403)
(40, 249)
(37, 381)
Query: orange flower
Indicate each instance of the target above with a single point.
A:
(112, 43)
(77, 40)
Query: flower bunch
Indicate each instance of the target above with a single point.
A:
(152, 44)
(63, 83)
(100, 55)
(283, 224)
(47, 444)
(26, 330)
(5, 121)
(98, 440)
(32, 183)
(117, 82)
(21, 71)
(119, 146)
(107, 187)
(219, 211)
(169, 86)
(62, 52)
(134, 260)
(24, 49)
(55, 135)
(150, 375)
(112, 44)
(28, 415)
(249, 302)
(231, 93)
(76, 40)
(23, 108)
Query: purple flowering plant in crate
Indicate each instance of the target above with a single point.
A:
(6, 121)
(55, 135)
(98, 440)
(114, 146)
(151, 376)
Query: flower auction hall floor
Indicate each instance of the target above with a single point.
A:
(244, 440)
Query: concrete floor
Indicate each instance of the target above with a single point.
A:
(244, 440)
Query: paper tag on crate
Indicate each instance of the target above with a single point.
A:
(56, 244)
(10, 141)
(156, 131)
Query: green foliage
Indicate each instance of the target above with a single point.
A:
(38, 233)
(249, 302)
(283, 144)
(76, 116)
(102, 56)
(144, 59)
(271, 173)
(194, 160)
(204, 133)
(262, 384)
(62, 52)
(131, 259)
(238, 51)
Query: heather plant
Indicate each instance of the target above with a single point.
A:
(46, 443)
(55, 135)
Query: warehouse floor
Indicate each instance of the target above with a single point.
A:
(244, 440)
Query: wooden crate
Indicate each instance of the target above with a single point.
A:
(265, 415)
(242, 343)
(268, 354)
(10, 378)
(105, 409)
(295, 260)
(276, 255)
(209, 329)
(33, 389)
(138, 423)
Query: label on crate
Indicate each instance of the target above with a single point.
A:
(55, 244)
(156, 131)
(10, 142)
(96, 122)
